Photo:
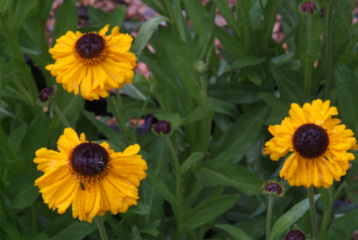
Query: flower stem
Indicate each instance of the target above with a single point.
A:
(269, 217)
(176, 168)
(117, 107)
(60, 114)
(326, 215)
(308, 62)
(328, 62)
(313, 213)
(101, 228)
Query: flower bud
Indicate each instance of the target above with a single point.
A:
(295, 235)
(46, 94)
(309, 7)
(200, 67)
(273, 188)
(162, 127)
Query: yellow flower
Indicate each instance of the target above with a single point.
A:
(93, 62)
(89, 176)
(318, 144)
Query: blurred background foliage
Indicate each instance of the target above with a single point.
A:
(219, 86)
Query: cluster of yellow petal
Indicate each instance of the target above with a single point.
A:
(115, 192)
(93, 78)
(319, 171)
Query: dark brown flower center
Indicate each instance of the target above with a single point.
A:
(90, 46)
(89, 159)
(310, 140)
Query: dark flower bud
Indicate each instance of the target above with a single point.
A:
(162, 127)
(308, 7)
(46, 93)
(273, 188)
(295, 235)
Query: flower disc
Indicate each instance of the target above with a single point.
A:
(89, 159)
(90, 45)
(310, 140)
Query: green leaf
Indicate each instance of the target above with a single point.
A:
(182, 59)
(36, 135)
(208, 211)
(347, 88)
(22, 8)
(247, 61)
(24, 191)
(191, 161)
(145, 33)
(235, 92)
(343, 227)
(75, 231)
(29, 47)
(229, 174)
(255, 78)
(289, 90)
(136, 233)
(116, 17)
(230, 43)
(234, 232)
(66, 20)
(104, 129)
(290, 217)
(16, 137)
(224, 107)
(197, 114)
(161, 187)
(239, 137)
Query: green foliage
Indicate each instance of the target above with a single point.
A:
(219, 86)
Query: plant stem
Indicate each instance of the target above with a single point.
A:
(269, 217)
(313, 213)
(117, 107)
(326, 215)
(60, 114)
(101, 228)
(308, 63)
(329, 70)
(176, 168)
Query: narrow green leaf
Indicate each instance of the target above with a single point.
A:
(343, 227)
(29, 47)
(66, 20)
(347, 88)
(191, 161)
(161, 187)
(224, 107)
(24, 191)
(230, 43)
(145, 33)
(208, 211)
(103, 128)
(198, 114)
(247, 61)
(235, 92)
(16, 137)
(234, 232)
(39, 130)
(289, 90)
(239, 137)
(229, 174)
(136, 233)
(75, 231)
(290, 217)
